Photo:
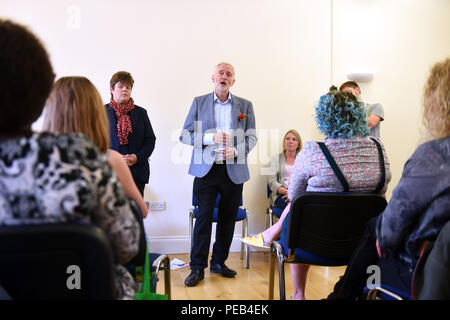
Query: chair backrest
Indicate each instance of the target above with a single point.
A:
(49, 262)
(139, 258)
(431, 277)
(330, 224)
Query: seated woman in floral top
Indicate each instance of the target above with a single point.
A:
(341, 117)
(48, 178)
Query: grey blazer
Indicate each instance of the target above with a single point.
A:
(276, 180)
(200, 120)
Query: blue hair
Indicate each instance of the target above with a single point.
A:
(341, 115)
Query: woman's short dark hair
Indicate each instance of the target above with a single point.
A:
(26, 76)
(341, 115)
(121, 76)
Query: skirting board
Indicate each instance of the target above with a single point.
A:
(181, 244)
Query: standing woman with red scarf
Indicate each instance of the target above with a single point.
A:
(130, 129)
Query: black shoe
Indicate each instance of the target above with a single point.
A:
(194, 278)
(223, 270)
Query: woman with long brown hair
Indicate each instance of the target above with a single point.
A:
(75, 105)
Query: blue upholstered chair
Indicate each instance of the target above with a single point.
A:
(431, 277)
(384, 292)
(272, 210)
(323, 229)
(242, 215)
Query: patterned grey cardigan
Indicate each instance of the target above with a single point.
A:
(420, 203)
(46, 178)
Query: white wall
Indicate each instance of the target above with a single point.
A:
(282, 54)
(398, 41)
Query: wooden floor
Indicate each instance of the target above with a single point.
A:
(249, 284)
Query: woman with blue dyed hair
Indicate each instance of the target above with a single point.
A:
(341, 115)
(342, 119)
(417, 214)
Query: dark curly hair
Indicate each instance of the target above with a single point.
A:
(26, 77)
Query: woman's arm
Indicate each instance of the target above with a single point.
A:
(300, 172)
(120, 167)
(277, 165)
(149, 140)
(416, 198)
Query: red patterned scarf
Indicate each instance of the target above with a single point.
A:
(123, 119)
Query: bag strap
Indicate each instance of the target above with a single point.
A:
(334, 166)
(383, 169)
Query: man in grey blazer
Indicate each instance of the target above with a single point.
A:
(221, 128)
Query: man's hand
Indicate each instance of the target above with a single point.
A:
(130, 159)
(226, 153)
(229, 152)
(222, 138)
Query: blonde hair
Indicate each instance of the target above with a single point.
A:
(436, 101)
(299, 139)
(75, 105)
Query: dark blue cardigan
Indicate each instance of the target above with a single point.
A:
(140, 142)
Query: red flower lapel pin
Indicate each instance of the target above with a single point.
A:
(242, 116)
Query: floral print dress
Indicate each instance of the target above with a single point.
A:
(357, 157)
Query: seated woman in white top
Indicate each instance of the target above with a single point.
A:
(282, 165)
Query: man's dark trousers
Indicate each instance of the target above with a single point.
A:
(206, 190)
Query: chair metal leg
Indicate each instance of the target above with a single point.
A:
(244, 247)
(247, 248)
(374, 294)
(281, 279)
(191, 227)
(243, 235)
(270, 217)
(271, 272)
(163, 263)
(167, 285)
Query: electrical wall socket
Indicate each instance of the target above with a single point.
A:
(157, 205)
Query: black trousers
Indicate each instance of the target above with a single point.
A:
(206, 190)
(140, 185)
